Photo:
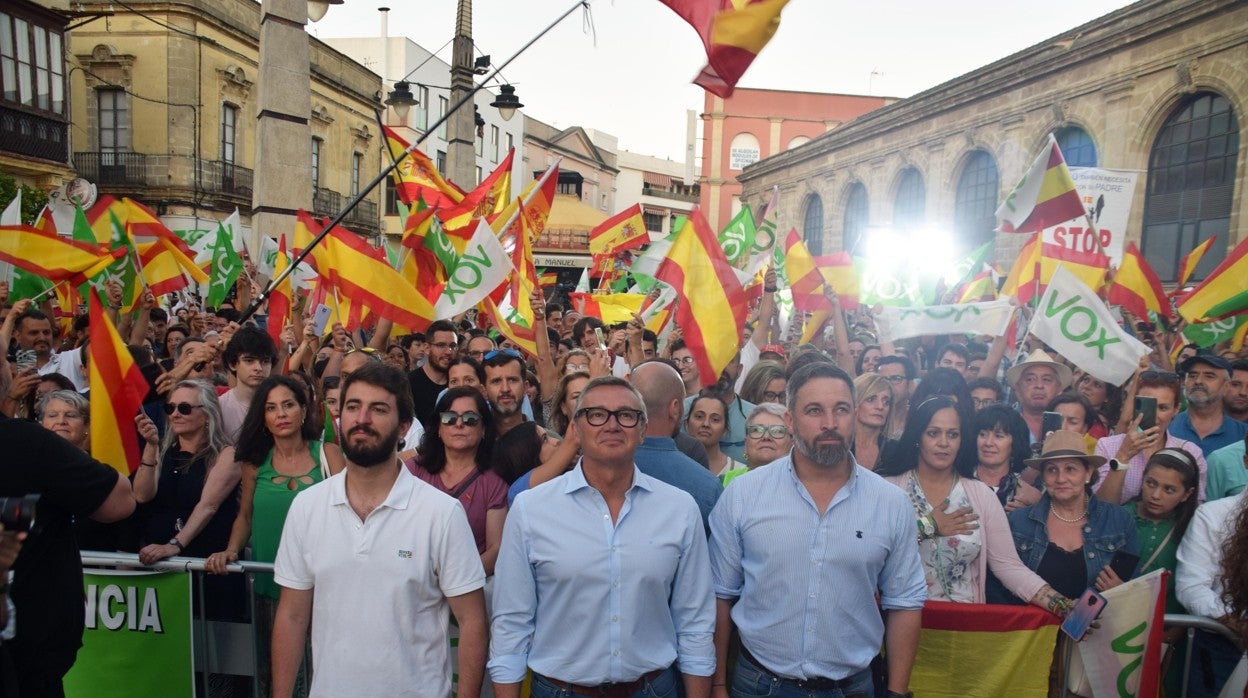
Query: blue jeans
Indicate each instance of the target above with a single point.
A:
(662, 686)
(750, 681)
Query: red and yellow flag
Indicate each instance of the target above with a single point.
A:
(347, 261)
(280, 296)
(1044, 197)
(416, 177)
(117, 391)
(623, 231)
(1136, 286)
(1224, 292)
(548, 279)
(490, 197)
(733, 33)
(712, 305)
(1191, 260)
(957, 636)
(51, 256)
(613, 308)
(808, 274)
(1090, 268)
(981, 287)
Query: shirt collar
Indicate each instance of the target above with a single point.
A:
(575, 480)
(399, 497)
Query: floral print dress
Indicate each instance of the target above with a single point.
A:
(948, 561)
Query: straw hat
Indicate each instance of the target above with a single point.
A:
(1065, 444)
(1040, 358)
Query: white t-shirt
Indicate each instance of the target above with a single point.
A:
(380, 618)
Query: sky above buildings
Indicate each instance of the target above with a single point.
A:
(625, 67)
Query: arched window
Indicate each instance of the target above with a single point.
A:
(975, 203)
(1191, 181)
(812, 224)
(798, 140)
(1077, 146)
(743, 151)
(857, 212)
(910, 205)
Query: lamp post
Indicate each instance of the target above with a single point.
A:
(461, 156)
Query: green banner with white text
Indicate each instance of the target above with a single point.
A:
(138, 636)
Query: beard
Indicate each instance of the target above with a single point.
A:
(1200, 397)
(505, 410)
(371, 454)
(824, 454)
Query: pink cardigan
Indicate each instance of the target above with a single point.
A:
(998, 543)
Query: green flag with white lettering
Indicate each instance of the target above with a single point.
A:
(226, 266)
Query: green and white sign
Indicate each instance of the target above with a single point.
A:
(138, 636)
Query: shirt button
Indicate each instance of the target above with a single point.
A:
(615, 619)
(615, 583)
(615, 653)
(613, 548)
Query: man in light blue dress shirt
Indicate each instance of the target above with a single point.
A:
(603, 581)
(799, 549)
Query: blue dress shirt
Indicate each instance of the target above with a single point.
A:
(1231, 431)
(659, 458)
(805, 581)
(581, 599)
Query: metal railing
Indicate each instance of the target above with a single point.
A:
(32, 135)
(112, 168)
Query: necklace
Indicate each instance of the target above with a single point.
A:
(1077, 519)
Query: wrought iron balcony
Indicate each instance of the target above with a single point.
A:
(112, 169)
(363, 218)
(222, 177)
(26, 134)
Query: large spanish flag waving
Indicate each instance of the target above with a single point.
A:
(1187, 265)
(980, 650)
(51, 256)
(1224, 292)
(416, 177)
(712, 306)
(1044, 197)
(733, 32)
(1136, 286)
(117, 392)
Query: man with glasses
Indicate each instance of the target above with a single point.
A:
(608, 542)
(658, 456)
(985, 391)
(1204, 422)
(478, 347)
(427, 381)
(799, 551)
(899, 371)
(375, 553)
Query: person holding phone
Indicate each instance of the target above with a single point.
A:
(1069, 537)
(1125, 456)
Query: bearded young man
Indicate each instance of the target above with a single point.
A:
(378, 558)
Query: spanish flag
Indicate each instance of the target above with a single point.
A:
(416, 177)
(490, 197)
(808, 274)
(548, 279)
(1191, 260)
(733, 32)
(1036, 255)
(51, 256)
(623, 231)
(956, 638)
(1044, 197)
(712, 304)
(614, 308)
(1224, 292)
(1136, 286)
(352, 266)
(117, 392)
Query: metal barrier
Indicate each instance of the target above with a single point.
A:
(221, 647)
(1194, 623)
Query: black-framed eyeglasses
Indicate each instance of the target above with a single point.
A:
(442, 345)
(468, 419)
(758, 431)
(598, 416)
(502, 352)
(182, 408)
(1164, 376)
(773, 396)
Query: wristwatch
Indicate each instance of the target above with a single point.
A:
(1115, 465)
(175, 543)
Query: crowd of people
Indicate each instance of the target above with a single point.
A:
(606, 518)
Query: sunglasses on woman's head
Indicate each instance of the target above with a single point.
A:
(468, 419)
(183, 408)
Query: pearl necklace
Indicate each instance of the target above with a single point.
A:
(1077, 519)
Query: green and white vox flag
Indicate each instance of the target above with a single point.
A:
(990, 317)
(1075, 322)
(478, 271)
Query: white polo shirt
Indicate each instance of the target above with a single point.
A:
(379, 613)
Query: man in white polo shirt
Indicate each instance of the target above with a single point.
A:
(377, 557)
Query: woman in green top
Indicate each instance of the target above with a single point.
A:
(277, 446)
(1162, 512)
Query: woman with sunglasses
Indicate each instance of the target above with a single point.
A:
(765, 382)
(767, 438)
(1125, 455)
(455, 459)
(962, 529)
(707, 421)
(281, 456)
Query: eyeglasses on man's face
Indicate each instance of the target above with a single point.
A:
(598, 416)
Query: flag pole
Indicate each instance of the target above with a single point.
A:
(366, 190)
(39, 296)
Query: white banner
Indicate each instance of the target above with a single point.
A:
(1075, 322)
(1107, 195)
(480, 269)
(1112, 656)
(990, 317)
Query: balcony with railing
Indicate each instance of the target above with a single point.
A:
(364, 218)
(30, 135)
(222, 177)
(108, 169)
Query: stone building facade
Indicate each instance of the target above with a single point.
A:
(1159, 87)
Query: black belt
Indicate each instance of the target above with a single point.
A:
(815, 684)
(621, 689)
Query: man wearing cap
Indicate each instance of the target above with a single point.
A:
(1036, 381)
(1204, 422)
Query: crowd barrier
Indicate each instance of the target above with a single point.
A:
(141, 618)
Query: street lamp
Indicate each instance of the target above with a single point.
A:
(506, 102)
(318, 8)
(402, 99)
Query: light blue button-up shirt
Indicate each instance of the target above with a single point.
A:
(582, 599)
(805, 581)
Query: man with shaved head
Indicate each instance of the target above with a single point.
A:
(663, 390)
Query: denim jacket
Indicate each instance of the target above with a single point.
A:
(1108, 529)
